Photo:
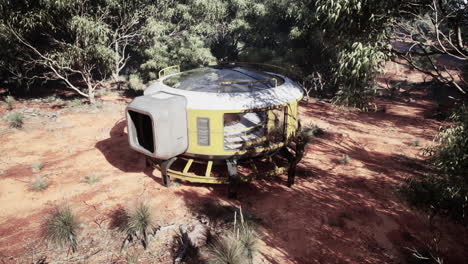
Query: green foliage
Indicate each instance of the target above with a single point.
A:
(357, 32)
(139, 224)
(37, 166)
(135, 83)
(445, 191)
(61, 227)
(9, 100)
(15, 120)
(355, 73)
(39, 184)
(341, 41)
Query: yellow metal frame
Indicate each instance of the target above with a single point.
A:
(162, 72)
(186, 175)
(216, 147)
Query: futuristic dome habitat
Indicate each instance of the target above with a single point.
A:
(217, 124)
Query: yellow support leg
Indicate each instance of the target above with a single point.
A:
(187, 166)
(209, 165)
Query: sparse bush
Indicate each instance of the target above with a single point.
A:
(61, 227)
(344, 160)
(9, 100)
(90, 179)
(15, 120)
(415, 143)
(37, 166)
(135, 83)
(75, 103)
(39, 184)
(445, 190)
(138, 225)
(97, 105)
(311, 130)
(424, 255)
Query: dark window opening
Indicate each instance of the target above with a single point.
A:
(144, 130)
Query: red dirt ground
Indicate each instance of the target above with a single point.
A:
(334, 213)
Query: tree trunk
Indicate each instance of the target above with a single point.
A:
(116, 71)
(91, 98)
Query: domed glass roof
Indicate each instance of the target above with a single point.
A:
(223, 79)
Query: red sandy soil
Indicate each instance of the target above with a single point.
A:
(334, 213)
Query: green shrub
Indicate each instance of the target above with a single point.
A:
(15, 120)
(90, 179)
(9, 100)
(139, 224)
(344, 160)
(356, 67)
(37, 166)
(39, 183)
(135, 83)
(61, 227)
(445, 190)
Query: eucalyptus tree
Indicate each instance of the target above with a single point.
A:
(175, 33)
(434, 28)
(60, 40)
(357, 30)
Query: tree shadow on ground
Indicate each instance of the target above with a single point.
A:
(333, 216)
(118, 153)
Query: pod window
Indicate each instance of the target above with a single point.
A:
(203, 131)
(244, 130)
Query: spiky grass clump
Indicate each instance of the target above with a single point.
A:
(237, 245)
(61, 227)
(39, 184)
(37, 166)
(139, 225)
(15, 120)
(249, 241)
(9, 100)
(227, 250)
